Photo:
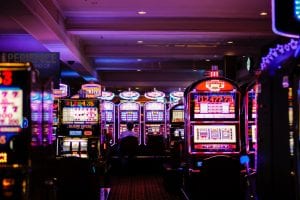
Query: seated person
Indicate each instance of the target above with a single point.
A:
(128, 141)
(129, 131)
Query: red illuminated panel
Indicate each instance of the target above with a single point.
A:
(213, 105)
(11, 106)
(6, 78)
(214, 85)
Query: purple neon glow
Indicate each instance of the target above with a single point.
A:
(278, 53)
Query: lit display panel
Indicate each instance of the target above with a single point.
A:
(213, 106)
(252, 105)
(127, 116)
(154, 116)
(177, 116)
(214, 134)
(107, 111)
(11, 104)
(80, 115)
(154, 112)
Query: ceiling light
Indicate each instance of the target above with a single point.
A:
(142, 12)
(138, 70)
(140, 41)
(263, 14)
(207, 60)
(230, 42)
(139, 59)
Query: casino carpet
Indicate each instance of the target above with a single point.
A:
(144, 180)
(140, 187)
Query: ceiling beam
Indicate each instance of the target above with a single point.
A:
(43, 20)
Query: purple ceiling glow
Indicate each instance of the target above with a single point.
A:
(20, 43)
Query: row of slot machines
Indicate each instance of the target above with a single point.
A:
(77, 121)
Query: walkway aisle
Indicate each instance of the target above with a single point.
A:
(140, 187)
(144, 181)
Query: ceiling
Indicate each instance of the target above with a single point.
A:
(167, 48)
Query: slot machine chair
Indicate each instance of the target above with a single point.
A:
(128, 149)
(220, 178)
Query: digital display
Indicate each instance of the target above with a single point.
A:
(107, 115)
(107, 111)
(154, 116)
(213, 105)
(6, 78)
(80, 115)
(252, 107)
(75, 132)
(11, 105)
(177, 116)
(127, 116)
(214, 133)
(154, 106)
(129, 106)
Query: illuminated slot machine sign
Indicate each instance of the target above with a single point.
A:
(129, 112)
(79, 117)
(214, 117)
(15, 87)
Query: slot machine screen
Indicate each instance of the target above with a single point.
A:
(80, 115)
(214, 134)
(154, 116)
(107, 111)
(252, 105)
(154, 112)
(11, 105)
(212, 106)
(127, 116)
(177, 116)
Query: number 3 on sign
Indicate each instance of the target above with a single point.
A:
(2, 139)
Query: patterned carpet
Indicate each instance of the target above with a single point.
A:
(140, 187)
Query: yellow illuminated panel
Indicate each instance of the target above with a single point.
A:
(3, 157)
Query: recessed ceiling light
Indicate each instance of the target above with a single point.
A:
(138, 70)
(207, 60)
(142, 12)
(140, 41)
(139, 59)
(263, 13)
(229, 42)
(194, 70)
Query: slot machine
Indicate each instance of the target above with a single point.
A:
(47, 123)
(155, 121)
(278, 119)
(108, 121)
(36, 98)
(212, 134)
(250, 124)
(176, 120)
(16, 81)
(62, 92)
(79, 128)
(129, 112)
